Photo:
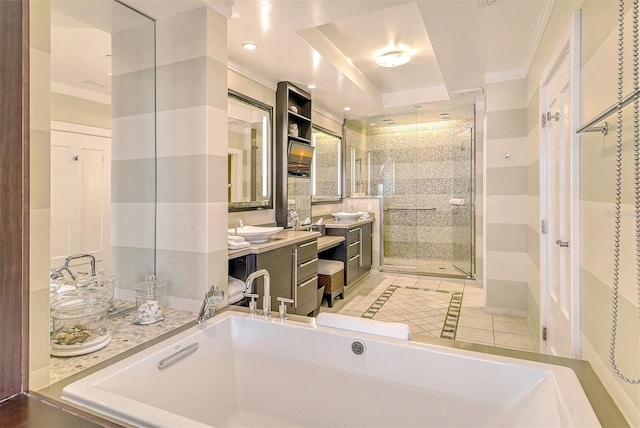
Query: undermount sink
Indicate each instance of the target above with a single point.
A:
(348, 215)
(255, 233)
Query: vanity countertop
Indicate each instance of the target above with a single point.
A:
(326, 242)
(346, 224)
(279, 240)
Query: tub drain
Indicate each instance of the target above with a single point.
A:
(357, 347)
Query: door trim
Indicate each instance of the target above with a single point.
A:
(569, 46)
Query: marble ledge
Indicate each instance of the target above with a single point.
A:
(125, 336)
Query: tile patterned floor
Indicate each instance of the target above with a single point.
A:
(438, 267)
(424, 313)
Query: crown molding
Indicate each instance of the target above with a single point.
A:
(541, 25)
(505, 75)
(271, 84)
(523, 72)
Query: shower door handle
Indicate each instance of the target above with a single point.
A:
(563, 244)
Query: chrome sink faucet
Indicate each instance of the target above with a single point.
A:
(266, 298)
(57, 273)
(239, 225)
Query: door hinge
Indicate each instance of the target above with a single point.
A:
(544, 333)
(543, 226)
(543, 120)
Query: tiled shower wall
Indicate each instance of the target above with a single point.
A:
(418, 168)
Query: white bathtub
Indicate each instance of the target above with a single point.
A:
(255, 373)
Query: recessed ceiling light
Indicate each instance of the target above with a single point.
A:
(347, 108)
(311, 86)
(393, 59)
(250, 46)
(372, 124)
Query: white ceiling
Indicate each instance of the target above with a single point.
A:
(456, 46)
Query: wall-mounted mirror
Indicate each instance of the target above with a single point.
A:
(249, 154)
(326, 177)
(103, 138)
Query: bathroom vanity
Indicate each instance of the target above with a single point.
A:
(291, 257)
(356, 249)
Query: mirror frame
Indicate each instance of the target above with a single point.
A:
(341, 177)
(255, 205)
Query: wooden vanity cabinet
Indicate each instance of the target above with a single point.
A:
(294, 274)
(354, 252)
(306, 277)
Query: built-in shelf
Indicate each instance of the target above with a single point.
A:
(293, 137)
(299, 117)
(289, 95)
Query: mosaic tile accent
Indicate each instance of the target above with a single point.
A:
(426, 311)
(125, 335)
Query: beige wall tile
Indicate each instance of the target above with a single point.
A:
(506, 265)
(507, 295)
(39, 226)
(67, 108)
(183, 37)
(506, 181)
(39, 91)
(506, 209)
(39, 337)
(506, 124)
(506, 237)
(506, 95)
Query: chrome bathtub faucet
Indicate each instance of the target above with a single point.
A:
(282, 309)
(208, 308)
(266, 298)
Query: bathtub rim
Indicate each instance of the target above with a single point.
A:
(600, 400)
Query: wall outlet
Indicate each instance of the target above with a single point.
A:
(370, 207)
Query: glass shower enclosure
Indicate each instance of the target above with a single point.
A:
(424, 173)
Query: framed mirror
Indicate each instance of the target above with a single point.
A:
(326, 183)
(249, 156)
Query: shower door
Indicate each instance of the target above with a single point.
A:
(461, 203)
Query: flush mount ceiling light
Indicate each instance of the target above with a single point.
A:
(311, 86)
(393, 59)
(347, 108)
(250, 46)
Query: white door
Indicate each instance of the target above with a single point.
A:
(80, 196)
(558, 172)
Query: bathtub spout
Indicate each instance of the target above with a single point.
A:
(266, 299)
(208, 308)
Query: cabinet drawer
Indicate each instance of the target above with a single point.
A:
(307, 296)
(352, 272)
(307, 250)
(307, 269)
(353, 248)
(353, 234)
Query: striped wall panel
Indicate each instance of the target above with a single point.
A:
(505, 192)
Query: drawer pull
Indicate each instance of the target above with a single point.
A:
(309, 262)
(357, 256)
(354, 243)
(306, 244)
(357, 229)
(308, 282)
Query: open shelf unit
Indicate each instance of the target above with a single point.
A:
(293, 107)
